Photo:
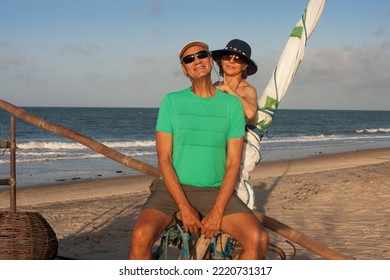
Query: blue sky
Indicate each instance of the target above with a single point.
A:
(123, 53)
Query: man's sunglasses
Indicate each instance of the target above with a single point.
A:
(236, 58)
(190, 58)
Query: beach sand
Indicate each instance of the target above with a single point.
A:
(340, 200)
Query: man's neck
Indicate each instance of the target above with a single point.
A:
(203, 88)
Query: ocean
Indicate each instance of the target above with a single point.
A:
(46, 158)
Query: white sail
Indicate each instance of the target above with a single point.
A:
(287, 66)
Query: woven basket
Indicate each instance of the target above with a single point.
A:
(26, 236)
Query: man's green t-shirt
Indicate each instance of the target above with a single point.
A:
(201, 128)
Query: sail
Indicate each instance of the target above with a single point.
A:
(287, 66)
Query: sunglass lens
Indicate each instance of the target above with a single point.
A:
(190, 58)
(202, 54)
(236, 58)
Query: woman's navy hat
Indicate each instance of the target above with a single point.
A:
(240, 48)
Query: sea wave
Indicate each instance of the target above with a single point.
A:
(373, 130)
(52, 151)
(47, 157)
(326, 138)
(44, 145)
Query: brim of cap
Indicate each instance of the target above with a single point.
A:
(191, 44)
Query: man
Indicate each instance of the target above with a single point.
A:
(199, 139)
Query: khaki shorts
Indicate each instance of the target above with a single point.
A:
(202, 199)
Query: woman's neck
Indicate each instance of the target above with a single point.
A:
(232, 81)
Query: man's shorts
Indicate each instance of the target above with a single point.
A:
(202, 199)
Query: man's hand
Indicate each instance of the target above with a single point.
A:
(212, 223)
(190, 219)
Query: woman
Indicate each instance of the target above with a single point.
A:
(235, 65)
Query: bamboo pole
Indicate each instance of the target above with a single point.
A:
(270, 223)
(299, 238)
(12, 172)
(82, 139)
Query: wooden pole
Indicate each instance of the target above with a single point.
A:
(270, 223)
(299, 238)
(12, 177)
(82, 139)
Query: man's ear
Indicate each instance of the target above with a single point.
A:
(184, 70)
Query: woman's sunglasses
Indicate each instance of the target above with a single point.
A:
(236, 58)
(190, 58)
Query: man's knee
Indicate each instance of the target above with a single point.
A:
(263, 238)
(142, 235)
(141, 243)
(148, 227)
(138, 236)
(256, 239)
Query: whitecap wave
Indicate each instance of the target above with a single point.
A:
(373, 130)
(44, 145)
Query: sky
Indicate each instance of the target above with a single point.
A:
(124, 53)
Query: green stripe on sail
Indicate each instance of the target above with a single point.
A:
(297, 32)
(270, 103)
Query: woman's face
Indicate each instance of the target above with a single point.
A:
(233, 64)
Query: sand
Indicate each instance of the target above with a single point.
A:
(340, 200)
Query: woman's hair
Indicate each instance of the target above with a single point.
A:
(244, 73)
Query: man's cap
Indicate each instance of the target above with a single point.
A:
(191, 44)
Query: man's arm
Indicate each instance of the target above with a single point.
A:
(189, 215)
(213, 220)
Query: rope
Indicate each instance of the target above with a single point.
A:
(174, 235)
(226, 249)
(185, 238)
(254, 134)
(247, 187)
(304, 28)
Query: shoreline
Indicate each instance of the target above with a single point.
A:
(340, 200)
(92, 188)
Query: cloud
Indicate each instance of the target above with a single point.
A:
(353, 68)
(155, 7)
(102, 80)
(380, 32)
(346, 77)
(9, 56)
(5, 45)
(11, 59)
(156, 32)
(79, 49)
(145, 60)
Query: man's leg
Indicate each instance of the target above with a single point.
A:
(148, 227)
(249, 233)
